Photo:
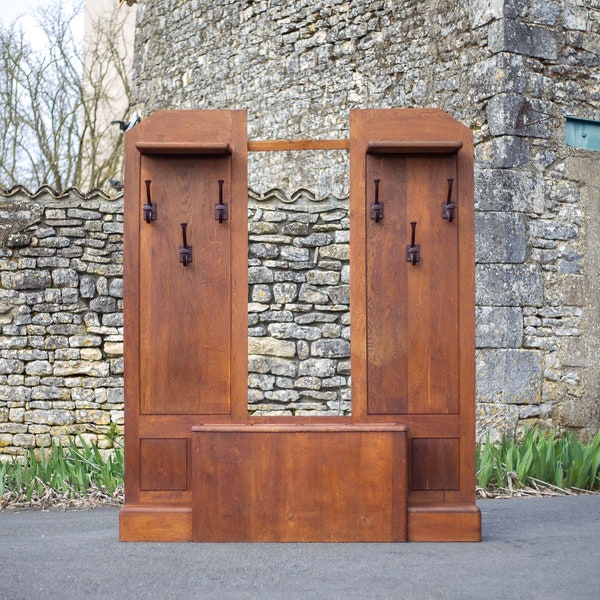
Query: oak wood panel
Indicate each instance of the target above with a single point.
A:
(412, 316)
(269, 483)
(185, 341)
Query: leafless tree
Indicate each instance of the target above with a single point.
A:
(56, 105)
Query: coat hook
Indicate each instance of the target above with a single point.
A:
(221, 211)
(449, 207)
(149, 208)
(413, 251)
(185, 251)
(376, 206)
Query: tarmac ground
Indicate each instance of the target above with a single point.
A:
(532, 548)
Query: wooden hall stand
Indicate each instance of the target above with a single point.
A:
(402, 466)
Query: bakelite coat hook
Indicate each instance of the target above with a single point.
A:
(376, 206)
(413, 251)
(449, 207)
(149, 208)
(221, 211)
(185, 251)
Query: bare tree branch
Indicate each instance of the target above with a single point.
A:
(56, 106)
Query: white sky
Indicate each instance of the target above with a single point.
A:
(25, 9)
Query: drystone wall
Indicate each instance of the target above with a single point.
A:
(509, 69)
(61, 318)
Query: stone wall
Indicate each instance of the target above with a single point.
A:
(299, 320)
(509, 69)
(61, 295)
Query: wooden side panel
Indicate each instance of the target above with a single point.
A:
(412, 315)
(281, 486)
(164, 464)
(185, 313)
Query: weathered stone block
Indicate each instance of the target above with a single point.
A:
(508, 190)
(293, 331)
(508, 285)
(509, 376)
(103, 304)
(312, 295)
(261, 381)
(271, 347)
(317, 367)
(26, 280)
(337, 251)
(336, 348)
(499, 327)
(508, 35)
(500, 237)
(506, 152)
(260, 275)
(64, 368)
(317, 277)
(285, 292)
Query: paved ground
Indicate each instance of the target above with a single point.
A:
(533, 548)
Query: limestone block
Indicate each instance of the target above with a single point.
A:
(508, 190)
(312, 295)
(285, 292)
(64, 368)
(336, 348)
(38, 367)
(282, 366)
(293, 331)
(317, 367)
(318, 277)
(509, 376)
(505, 152)
(337, 251)
(499, 327)
(261, 293)
(26, 280)
(509, 35)
(500, 237)
(261, 381)
(508, 285)
(271, 347)
(260, 275)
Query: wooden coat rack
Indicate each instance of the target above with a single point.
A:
(402, 466)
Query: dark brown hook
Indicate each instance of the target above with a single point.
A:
(413, 251)
(449, 207)
(185, 251)
(149, 208)
(376, 206)
(221, 211)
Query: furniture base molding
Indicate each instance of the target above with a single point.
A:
(444, 523)
(138, 523)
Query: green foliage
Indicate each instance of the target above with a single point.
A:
(70, 471)
(564, 462)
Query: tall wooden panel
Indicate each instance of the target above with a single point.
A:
(185, 305)
(413, 306)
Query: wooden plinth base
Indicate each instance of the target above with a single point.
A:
(461, 523)
(155, 524)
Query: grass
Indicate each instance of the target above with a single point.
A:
(70, 474)
(562, 463)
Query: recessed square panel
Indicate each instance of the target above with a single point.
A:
(435, 464)
(163, 464)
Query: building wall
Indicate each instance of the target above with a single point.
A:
(298, 68)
